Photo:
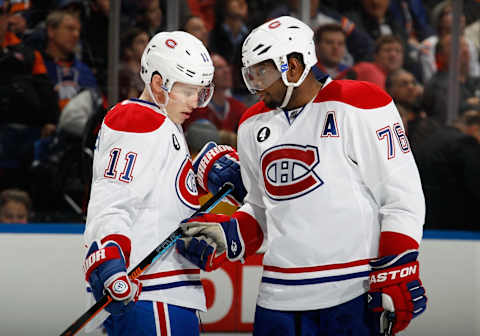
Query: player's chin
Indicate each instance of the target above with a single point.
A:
(271, 103)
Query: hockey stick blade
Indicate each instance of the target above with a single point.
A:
(75, 327)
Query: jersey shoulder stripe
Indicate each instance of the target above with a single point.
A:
(255, 109)
(134, 118)
(360, 94)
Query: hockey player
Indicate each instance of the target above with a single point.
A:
(332, 188)
(143, 185)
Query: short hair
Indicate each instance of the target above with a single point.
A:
(183, 26)
(328, 28)
(386, 39)
(128, 37)
(391, 78)
(469, 118)
(55, 18)
(15, 195)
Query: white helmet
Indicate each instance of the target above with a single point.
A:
(275, 40)
(178, 57)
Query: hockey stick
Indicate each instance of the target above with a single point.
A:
(146, 262)
(390, 317)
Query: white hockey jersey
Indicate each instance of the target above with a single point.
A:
(143, 185)
(323, 182)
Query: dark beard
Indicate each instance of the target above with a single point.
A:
(272, 104)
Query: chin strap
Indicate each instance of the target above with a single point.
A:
(287, 97)
(163, 106)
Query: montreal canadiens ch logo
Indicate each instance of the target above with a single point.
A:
(288, 171)
(186, 186)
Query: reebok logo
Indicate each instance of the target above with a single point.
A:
(393, 275)
(94, 258)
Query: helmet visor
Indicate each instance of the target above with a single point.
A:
(260, 76)
(188, 93)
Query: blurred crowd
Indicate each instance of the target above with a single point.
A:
(53, 87)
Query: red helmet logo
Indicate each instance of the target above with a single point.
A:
(274, 24)
(171, 43)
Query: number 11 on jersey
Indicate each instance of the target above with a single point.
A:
(127, 173)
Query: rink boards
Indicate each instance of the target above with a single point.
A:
(42, 290)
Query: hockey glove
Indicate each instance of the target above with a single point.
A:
(217, 164)
(209, 239)
(396, 292)
(105, 270)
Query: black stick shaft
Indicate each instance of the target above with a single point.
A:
(146, 262)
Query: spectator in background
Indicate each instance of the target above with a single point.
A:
(15, 206)
(224, 111)
(230, 30)
(412, 15)
(95, 41)
(68, 74)
(443, 19)
(18, 20)
(407, 95)
(204, 9)
(330, 49)
(36, 35)
(196, 26)
(449, 165)
(227, 38)
(436, 89)
(360, 45)
(28, 108)
(375, 18)
(133, 43)
(150, 16)
(388, 58)
(405, 90)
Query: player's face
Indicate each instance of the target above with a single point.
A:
(264, 80)
(184, 98)
(274, 94)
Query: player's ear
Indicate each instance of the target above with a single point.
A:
(157, 90)
(295, 69)
(156, 83)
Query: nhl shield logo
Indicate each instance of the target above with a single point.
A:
(288, 171)
(186, 186)
(176, 144)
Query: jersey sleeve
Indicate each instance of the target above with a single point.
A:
(378, 146)
(125, 166)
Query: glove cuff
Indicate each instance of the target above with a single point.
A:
(119, 287)
(235, 245)
(98, 257)
(250, 231)
(207, 161)
(394, 275)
